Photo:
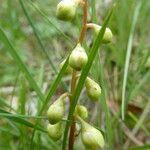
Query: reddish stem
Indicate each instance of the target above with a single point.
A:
(72, 135)
(74, 78)
(84, 28)
(73, 126)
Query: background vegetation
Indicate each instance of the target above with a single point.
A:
(33, 46)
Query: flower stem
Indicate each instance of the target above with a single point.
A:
(74, 75)
(72, 135)
(84, 27)
(73, 126)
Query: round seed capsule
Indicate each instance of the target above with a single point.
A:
(107, 35)
(81, 111)
(55, 131)
(90, 136)
(66, 10)
(56, 111)
(78, 58)
(93, 89)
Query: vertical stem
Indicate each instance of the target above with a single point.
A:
(72, 135)
(74, 78)
(73, 126)
(73, 81)
(84, 27)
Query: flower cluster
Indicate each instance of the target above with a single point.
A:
(90, 136)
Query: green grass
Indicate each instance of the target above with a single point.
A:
(19, 119)
(20, 63)
(128, 55)
(32, 45)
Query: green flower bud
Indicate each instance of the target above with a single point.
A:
(93, 89)
(107, 35)
(91, 137)
(66, 10)
(81, 111)
(55, 131)
(68, 69)
(56, 111)
(78, 58)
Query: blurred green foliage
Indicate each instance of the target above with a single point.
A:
(15, 90)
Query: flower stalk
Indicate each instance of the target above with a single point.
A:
(77, 60)
(74, 74)
(84, 27)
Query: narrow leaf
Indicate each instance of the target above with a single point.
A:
(3, 102)
(36, 33)
(9, 47)
(128, 55)
(50, 22)
(19, 120)
(54, 85)
(51, 92)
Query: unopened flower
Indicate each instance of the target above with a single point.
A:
(78, 58)
(55, 131)
(66, 10)
(107, 35)
(91, 137)
(93, 89)
(81, 111)
(56, 111)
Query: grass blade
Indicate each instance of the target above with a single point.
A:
(93, 11)
(128, 55)
(3, 102)
(37, 35)
(139, 86)
(51, 92)
(109, 136)
(49, 21)
(83, 76)
(54, 85)
(8, 131)
(38, 38)
(143, 147)
(20, 63)
(21, 116)
(140, 122)
(135, 119)
(19, 120)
